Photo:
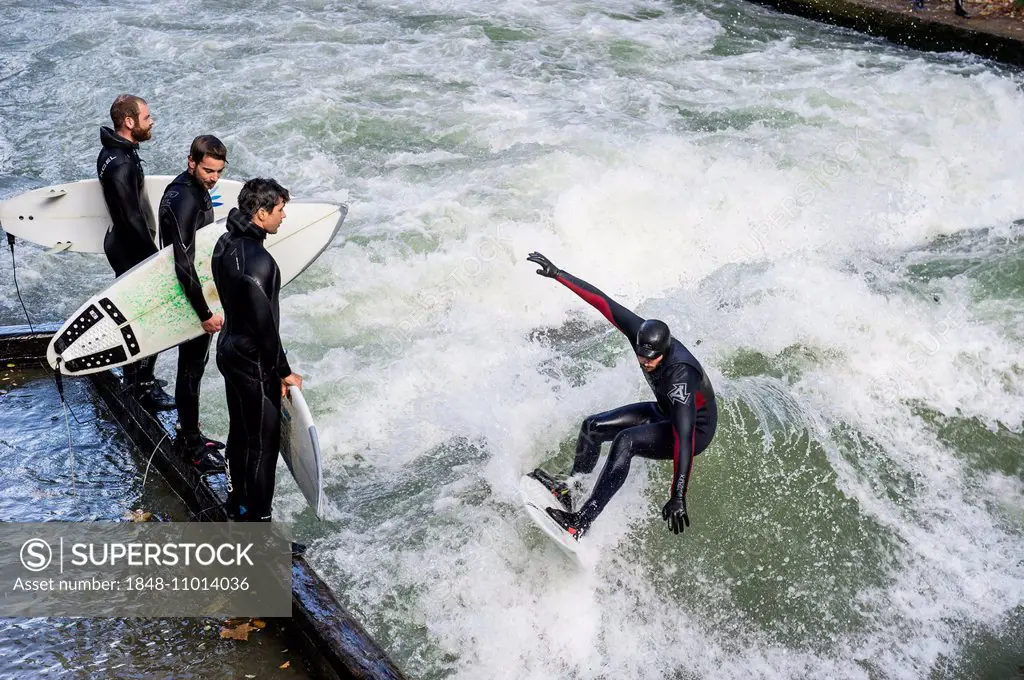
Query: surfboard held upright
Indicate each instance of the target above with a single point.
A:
(300, 447)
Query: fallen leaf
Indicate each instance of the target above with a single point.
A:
(285, 664)
(10, 365)
(139, 515)
(239, 632)
(259, 623)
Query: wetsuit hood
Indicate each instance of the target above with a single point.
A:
(111, 140)
(240, 225)
(188, 179)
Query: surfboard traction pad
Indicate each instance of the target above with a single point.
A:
(107, 329)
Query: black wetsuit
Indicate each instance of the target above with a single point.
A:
(252, 360)
(132, 233)
(678, 425)
(185, 208)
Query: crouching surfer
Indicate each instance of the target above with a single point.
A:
(678, 425)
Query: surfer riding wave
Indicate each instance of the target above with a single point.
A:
(678, 425)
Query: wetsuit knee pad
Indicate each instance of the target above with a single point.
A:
(590, 427)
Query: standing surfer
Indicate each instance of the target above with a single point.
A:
(132, 233)
(249, 350)
(185, 208)
(678, 425)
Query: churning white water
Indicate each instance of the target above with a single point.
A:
(835, 221)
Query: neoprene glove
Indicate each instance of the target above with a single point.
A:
(546, 267)
(674, 513)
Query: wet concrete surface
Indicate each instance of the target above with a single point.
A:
(98, 477)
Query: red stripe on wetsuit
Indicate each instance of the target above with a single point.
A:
(593, 299)
(699, 402)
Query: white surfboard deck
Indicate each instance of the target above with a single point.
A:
(144, 311)
(73, 216)
(300, 448)
(536, 498)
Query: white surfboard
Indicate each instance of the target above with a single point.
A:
(537, 499)
(144, 311)
(73, 216)
(300, 448)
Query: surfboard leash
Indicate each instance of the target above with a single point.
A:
(150, 461)
(14, 267)
(71, 451)
(60, 391)
(67, 424)
(193, 516)
(60, 386)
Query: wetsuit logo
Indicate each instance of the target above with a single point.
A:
(679, 394)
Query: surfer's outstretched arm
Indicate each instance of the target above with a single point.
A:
(620, 317)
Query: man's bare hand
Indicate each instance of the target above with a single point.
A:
(214, 323)
(293, 379)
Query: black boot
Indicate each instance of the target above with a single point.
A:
(575, 523)
(212, 443)
(217, 445)
(153, 397)
(199, 454)
(568, 521)
(958, 9)
(560, 490)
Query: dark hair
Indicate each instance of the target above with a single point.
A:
(208, 145)
(260, 193)
(125, 106)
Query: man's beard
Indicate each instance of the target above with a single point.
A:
(140, 135)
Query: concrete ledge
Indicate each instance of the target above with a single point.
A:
(935, 29)
(22, 345)
(334, 645)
